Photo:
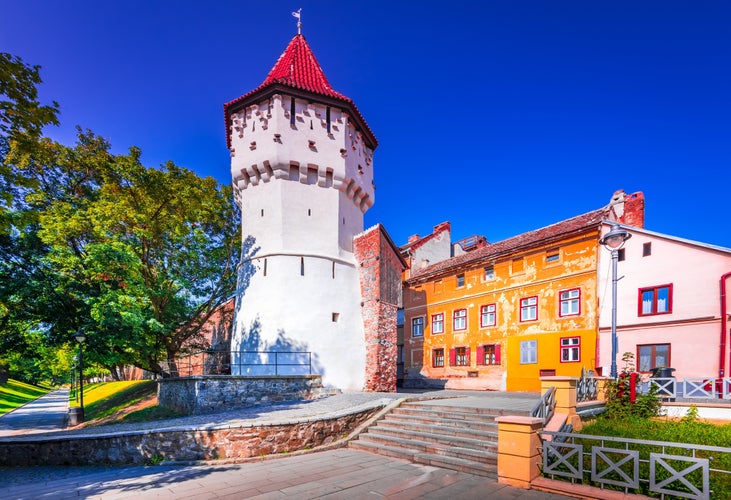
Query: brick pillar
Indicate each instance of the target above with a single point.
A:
(565, 397)
(518, 445)
(601, 388)
(380, 284)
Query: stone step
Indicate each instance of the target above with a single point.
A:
(455, 413)
(433, 444)
(483, 455)
(457, 464)
(418, 429)
(433, 459)
(480, 424)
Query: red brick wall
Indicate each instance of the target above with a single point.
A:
(380, 285)
(634, 210)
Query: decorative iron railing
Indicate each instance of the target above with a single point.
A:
(241, 363)
(545, 407)
(653, 468)
(587, 387)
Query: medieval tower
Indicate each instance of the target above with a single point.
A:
(302, 168)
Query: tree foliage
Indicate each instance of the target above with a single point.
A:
(138, 257)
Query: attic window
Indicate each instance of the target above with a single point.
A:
(460, 280)
(552, 256)
(489, 273)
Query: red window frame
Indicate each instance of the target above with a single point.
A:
(524, 306)
(461, 354)
(483, 313)
(454, 319)
(568, 348)
(570, 299)
(433, 322)
(654, 290)
(436, 358)
(653, 356)
(483, 355)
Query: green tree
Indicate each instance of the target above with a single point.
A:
(22, 119)
(138, 257)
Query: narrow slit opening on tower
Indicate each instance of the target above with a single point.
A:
(291, 111)
(302, 266)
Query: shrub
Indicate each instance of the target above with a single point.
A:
(618, 403)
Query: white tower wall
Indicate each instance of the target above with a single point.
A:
(302, 191)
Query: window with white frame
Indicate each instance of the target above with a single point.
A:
(570, 349)
(528, 352)
(656, 300)
(487, 315)
(437, 323)
(459, 320)
(529, 309)
(570, 302)
(417, 326)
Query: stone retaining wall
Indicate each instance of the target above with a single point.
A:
(215, 393)
(178, 444)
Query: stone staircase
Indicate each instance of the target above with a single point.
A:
(452, 437)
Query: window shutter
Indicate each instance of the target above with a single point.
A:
(497, 354)
(467, 355)
(452, 357)
(480, 355)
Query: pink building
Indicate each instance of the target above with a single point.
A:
(672, 308)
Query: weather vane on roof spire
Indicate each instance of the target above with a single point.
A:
(298, 15)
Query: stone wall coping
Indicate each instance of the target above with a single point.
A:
(558, 379)
(239, 377)
(518, 419)
(85, 434)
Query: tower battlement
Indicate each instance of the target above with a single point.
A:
(287, 138)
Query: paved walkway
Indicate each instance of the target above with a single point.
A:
(336, 474)
(340, 473)
(45, 414)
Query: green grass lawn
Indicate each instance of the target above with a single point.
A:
(689, 431)
(15, 394)
(108, 402)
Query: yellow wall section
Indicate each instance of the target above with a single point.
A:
(516, 276)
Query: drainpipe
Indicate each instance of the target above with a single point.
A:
(722, 360)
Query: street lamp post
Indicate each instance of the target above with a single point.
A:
(81, 338)
(613, 241)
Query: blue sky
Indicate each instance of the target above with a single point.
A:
(499, 116)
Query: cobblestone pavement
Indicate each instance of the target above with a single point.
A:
(336, 474)
(45, 414)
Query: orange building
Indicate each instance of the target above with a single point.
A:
(501, 315)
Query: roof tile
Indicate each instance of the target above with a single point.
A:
(525, 240)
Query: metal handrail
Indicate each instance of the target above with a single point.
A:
(218, 362)
(545, 407)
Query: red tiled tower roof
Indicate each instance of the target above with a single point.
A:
(297, 69)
